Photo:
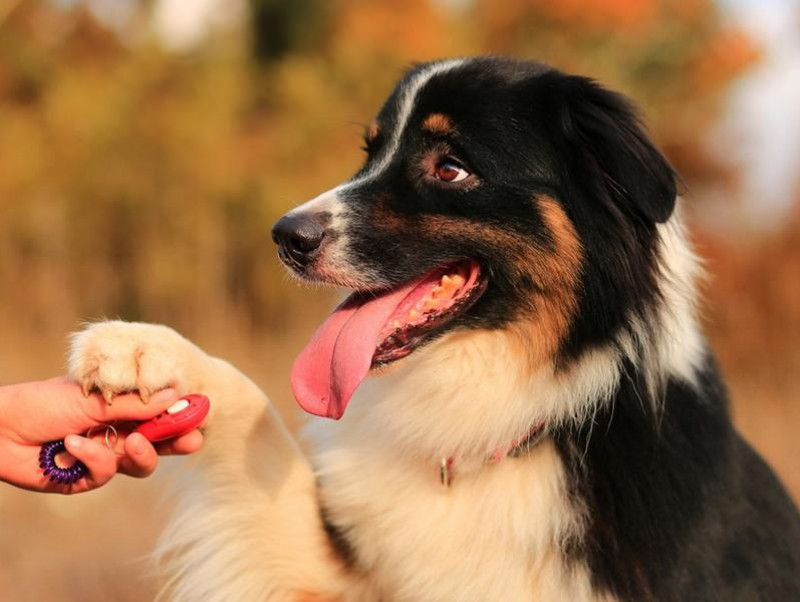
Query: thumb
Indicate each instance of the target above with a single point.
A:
(101, 461)
(140, 457)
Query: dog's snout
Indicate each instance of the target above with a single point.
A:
(299, 236)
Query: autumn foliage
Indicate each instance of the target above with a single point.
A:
(140, 182)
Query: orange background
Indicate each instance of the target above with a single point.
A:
(140, 174)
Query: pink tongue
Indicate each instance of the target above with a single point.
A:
(327, 372)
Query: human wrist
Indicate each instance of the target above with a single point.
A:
(8, 401)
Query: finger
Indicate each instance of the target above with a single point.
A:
(140, 459)
(129, 406)
(101, 461)
(185, 444)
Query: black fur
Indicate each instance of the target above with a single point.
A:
(338, 539)
(680, 508)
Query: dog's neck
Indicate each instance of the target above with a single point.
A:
(470, 393)
(466, 396)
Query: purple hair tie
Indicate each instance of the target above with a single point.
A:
(57, 474)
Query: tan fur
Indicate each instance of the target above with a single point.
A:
(439, 124)
(373, 130)
(555, 269)
(556, 272)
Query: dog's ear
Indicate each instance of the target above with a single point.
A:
(610, 153)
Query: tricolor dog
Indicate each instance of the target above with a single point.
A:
(517, 400)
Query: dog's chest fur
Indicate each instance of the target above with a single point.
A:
(499, 532)
(493, 535)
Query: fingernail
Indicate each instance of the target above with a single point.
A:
(73, 441)
(137, 445)
(163, 396)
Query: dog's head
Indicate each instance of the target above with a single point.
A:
(495, 194)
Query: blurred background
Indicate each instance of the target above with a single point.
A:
(146, 147)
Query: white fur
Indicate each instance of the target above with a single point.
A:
(248, 526)
(681, 342)
(667, 341)
(406, 105)
(496, 533)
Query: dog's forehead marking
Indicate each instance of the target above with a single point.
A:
(438, 123)
(405, 107)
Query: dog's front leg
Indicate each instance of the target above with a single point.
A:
(246, 524)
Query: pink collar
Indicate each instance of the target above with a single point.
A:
(518, 447)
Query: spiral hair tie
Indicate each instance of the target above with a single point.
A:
(54, 472)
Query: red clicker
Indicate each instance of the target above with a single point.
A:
(180, 418)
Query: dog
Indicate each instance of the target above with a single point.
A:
(518, 402)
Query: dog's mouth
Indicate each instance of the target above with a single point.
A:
(434, 302)
(374, 329)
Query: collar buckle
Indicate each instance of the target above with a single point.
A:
(445, 472)
(518, 448)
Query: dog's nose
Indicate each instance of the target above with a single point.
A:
(299, 236)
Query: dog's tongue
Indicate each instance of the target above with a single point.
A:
(327, 372)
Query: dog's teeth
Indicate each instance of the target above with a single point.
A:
(414, 315)
(430, 303)
(438, 292)
(394, 325)
(450, 284)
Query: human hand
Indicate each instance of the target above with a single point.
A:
(37, 412)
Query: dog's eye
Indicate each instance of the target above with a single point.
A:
(450, 171)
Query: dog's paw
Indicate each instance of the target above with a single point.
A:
(115, 357)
